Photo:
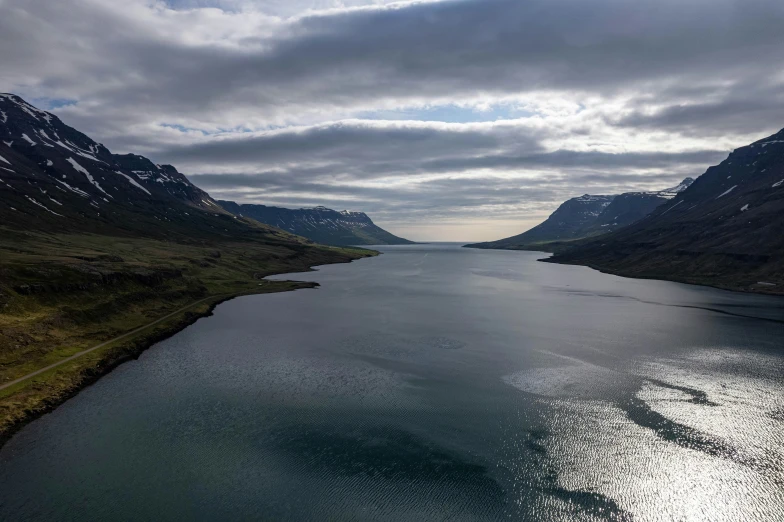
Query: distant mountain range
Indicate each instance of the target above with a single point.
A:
(588, 215)
(320, 224)
(54, 178)
(726, 229)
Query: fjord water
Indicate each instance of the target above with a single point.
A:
(430, 383)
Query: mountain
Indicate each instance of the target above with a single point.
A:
(566, 223)
(96, 246)
(54, 178)
(320, 224)
(66, 201)
(587, 216)
(631, 207)
(724, 230)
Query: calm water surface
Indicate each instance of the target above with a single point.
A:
(431, 383)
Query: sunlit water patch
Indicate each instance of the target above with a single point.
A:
(698, 440)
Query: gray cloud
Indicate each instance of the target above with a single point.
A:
(341, 180)
(663, 87)
(356, 58)
(745, 111)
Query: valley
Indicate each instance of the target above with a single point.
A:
(94, 248)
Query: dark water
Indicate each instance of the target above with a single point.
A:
(431, 383)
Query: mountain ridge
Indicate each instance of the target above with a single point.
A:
(55, 178)
(319, 224)
(587, 215)
(725, 230)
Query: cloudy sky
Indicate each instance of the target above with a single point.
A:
(451, 119)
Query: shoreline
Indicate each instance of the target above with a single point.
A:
(132, 347)
(683, 281)
(763, 290)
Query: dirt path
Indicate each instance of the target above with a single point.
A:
(98, 346)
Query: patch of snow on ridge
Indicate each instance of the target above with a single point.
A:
(63, 145)
(73, 189)
(29, 109)
(778, 183)
(585, 198)
(9, 143)
(727, 191)
(670, 193)
(78, 167)
(5, 116)
(81, 169)
(46, 138)
(744, 208)
(133, 182)
(28, 140)
(88, 156)
(672, 207)
(5, 160)
(32, 200)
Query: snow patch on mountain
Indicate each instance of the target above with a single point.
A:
(89, 177)
(727, 191)
(33, 201)
(66, 147)
(671, 192)
(73, 189)
(133, 182)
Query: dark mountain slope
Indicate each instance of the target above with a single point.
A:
(726, 230)
(566, 223)
(631, 207)
(320, 224)
(54, 178)
(587, 216)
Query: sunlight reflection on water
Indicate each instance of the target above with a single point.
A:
(596, 447)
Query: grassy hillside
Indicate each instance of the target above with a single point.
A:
(63, 293)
